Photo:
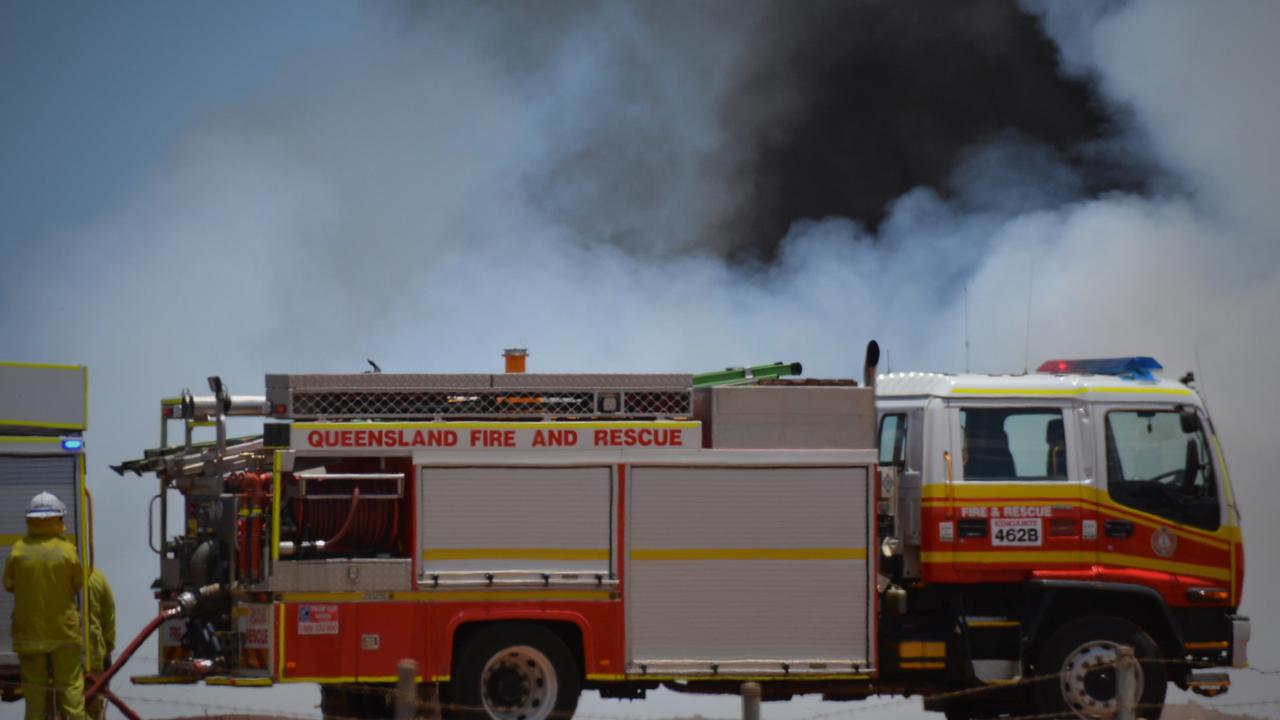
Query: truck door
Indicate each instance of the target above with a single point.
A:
(1016, 490)
(1164, 510)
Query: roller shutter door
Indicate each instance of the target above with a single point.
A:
(748, 567)
(21, 478)
(489, 519)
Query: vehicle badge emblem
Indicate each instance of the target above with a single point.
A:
(1164, 542)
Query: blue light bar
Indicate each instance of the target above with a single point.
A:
(72, 444)
(1138, 368)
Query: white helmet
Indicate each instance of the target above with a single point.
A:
(46, 505)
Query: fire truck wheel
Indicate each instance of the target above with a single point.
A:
(1082, 654)
(515, 671)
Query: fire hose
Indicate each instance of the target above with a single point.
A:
(186, 603)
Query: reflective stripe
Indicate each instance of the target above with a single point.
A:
(570, 554)
(922, 649)
(1074, 557)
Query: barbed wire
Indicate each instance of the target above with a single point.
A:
(387, 694)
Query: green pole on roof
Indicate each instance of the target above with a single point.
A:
(746, 375)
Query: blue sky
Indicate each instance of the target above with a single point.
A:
(95, 94)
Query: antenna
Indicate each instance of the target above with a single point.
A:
(1204, 398)
(1026, 336)
(966, 327)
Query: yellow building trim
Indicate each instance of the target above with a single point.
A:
(43, 366)
(659, 554)
(41, 424)
(566, 554)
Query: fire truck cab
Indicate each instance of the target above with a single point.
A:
(1044, 519)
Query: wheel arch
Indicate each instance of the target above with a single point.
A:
(571, 628)
(1060, 601)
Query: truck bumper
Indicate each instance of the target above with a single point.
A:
(1239, 641)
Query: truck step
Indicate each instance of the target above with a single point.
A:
(1208, 684)
(997, 672)
(164, 679)
(990, 622)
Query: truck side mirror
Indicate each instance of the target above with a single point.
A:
(1190, 421)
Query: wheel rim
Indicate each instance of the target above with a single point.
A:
(1088, 679)
(518, 683)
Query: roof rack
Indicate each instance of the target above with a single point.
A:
(383, 396)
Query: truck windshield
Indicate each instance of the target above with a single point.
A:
(1155, 465)
(1014, 444)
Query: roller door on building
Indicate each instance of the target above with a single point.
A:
(748, 567)
(494, 519)
(21, 478)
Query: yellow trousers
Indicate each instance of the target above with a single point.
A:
(97, 707)
(61, 670)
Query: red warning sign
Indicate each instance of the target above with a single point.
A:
(318, 620)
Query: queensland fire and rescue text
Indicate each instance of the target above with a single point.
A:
(499, 438)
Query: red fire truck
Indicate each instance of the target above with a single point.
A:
(525, 537)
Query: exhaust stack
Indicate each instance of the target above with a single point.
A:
(514, 359)
(869, 365)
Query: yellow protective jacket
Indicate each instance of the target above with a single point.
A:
(44, 575)
(102, 620)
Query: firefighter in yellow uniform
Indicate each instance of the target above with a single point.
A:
(44, 575)
(102, 635)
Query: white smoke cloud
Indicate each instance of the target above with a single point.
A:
(406, 199)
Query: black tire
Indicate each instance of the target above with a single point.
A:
(1091, 693)
(514, 671)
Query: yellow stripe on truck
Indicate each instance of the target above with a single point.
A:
(566, 554)
(1073, 557)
